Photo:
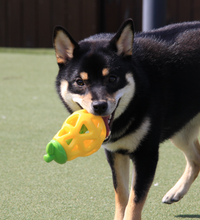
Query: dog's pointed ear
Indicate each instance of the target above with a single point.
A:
(122, 42)
(64, 45)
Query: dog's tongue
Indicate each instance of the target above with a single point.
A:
(106, 124)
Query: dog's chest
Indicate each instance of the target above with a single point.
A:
(131, 141)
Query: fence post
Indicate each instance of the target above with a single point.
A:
(153, 14)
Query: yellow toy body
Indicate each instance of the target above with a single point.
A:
(81, 135)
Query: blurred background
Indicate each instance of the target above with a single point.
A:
(30, 23)
(31, 113)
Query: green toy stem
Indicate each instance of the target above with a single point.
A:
(48, 158)
(56, 152)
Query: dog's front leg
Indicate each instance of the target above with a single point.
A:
(144, 170)
(120, 172)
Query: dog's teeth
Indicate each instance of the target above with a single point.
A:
(106, 138)
(108, 121)
(110, 117)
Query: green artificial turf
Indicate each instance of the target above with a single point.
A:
(30, 115)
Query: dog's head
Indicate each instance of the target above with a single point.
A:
(95, 74)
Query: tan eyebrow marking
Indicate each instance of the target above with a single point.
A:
(84, 75)
(105, 71)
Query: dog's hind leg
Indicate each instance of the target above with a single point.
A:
(120, 172)
(187, 141)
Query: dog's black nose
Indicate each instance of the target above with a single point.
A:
(100, 107)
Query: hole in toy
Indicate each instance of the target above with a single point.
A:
(83, 130)
(72, 121)
(69, 141)
(62, 132)
(76, 148)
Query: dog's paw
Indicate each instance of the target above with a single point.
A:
(173, 196)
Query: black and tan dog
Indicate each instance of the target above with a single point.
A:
(147, 89)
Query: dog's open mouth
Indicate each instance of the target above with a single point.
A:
(108, 120)
(108, 123)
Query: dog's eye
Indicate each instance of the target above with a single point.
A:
(112, 79)
(80, 82)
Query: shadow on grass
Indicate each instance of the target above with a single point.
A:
(187, 216)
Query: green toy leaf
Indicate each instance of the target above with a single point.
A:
(56, 152)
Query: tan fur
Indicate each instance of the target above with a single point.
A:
(121, 165)
(133, 210)
(84, 101)
(84, 75)
(125, 206)
(105, 71)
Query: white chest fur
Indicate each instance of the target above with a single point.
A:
(131, 141)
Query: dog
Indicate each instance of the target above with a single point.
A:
(146, 87)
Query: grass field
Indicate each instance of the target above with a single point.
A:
(30, 115)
